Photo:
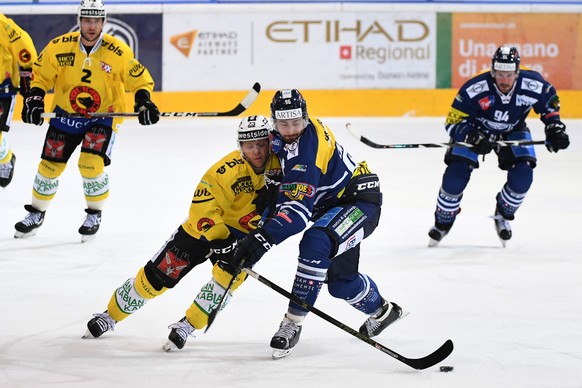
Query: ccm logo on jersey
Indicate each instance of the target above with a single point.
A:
(368, 185)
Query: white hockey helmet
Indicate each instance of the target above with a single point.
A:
(91, 9)
(254, 128)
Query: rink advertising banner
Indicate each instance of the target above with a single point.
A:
(548, 43)
(141, 32)
(305, 50)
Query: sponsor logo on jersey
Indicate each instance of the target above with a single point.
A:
(230, 164)
(299, 167)
(24, 56)
(202, 193)
(204, 224)
(487, 102)
(84, 99)
(67, 59)
(298, 190)
(521, 100)
(172, 265)
(137, 70)
(243, 185)
(532, 85)
(478, 88)
(66, 39)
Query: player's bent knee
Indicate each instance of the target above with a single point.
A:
(90, 165)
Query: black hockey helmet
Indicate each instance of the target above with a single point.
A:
(288, 104)
(506, 58)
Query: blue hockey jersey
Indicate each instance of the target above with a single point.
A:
(316, 169)
(479, 103)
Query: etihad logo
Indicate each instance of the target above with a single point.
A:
(184, 42)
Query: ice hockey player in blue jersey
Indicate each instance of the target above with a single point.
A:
(490, 107)
(321, 184)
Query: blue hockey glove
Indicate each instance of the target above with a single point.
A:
(556, 136)
(481, 145)
(25, 76)
(148, 111)
(250, 249)
(33, 107)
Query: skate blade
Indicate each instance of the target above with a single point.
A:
(26, 235)
(503, 242)
(168, 346)
(281, 353)
(433, 243)
(87, 335)
(87, 237)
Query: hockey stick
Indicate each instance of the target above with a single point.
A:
(214, 313)
(237, 110)
(417, 363)
(501, 143)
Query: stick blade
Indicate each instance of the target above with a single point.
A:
(432, 359)
(246, 102)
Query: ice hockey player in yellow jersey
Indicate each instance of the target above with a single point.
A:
(89, 72)
(17, 54)
(227, 204)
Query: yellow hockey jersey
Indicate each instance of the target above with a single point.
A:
(223, 198)
(16, 50)
(89, 82)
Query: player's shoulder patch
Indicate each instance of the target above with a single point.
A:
(477, 88)
(532, 85)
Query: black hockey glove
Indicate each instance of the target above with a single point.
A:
(25, 76)
(222, 252)
(556, 136)
(33, 107)
(251, 248)
(148, 111)
(481, 145)
(267, 197)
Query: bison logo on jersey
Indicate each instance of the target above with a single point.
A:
(172, 265)
(204, 224)
(95, 139)
(84, 100)
(54, 146)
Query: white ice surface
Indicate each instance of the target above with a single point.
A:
(514, 314)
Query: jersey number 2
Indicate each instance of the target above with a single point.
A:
(88, 73)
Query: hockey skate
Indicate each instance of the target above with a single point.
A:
(437, 233)
(285, 338)
(29, 226)
(6, 171)
(388, 313)
(91, 225)
(179, 335)
(98, 325)
(502, 227)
